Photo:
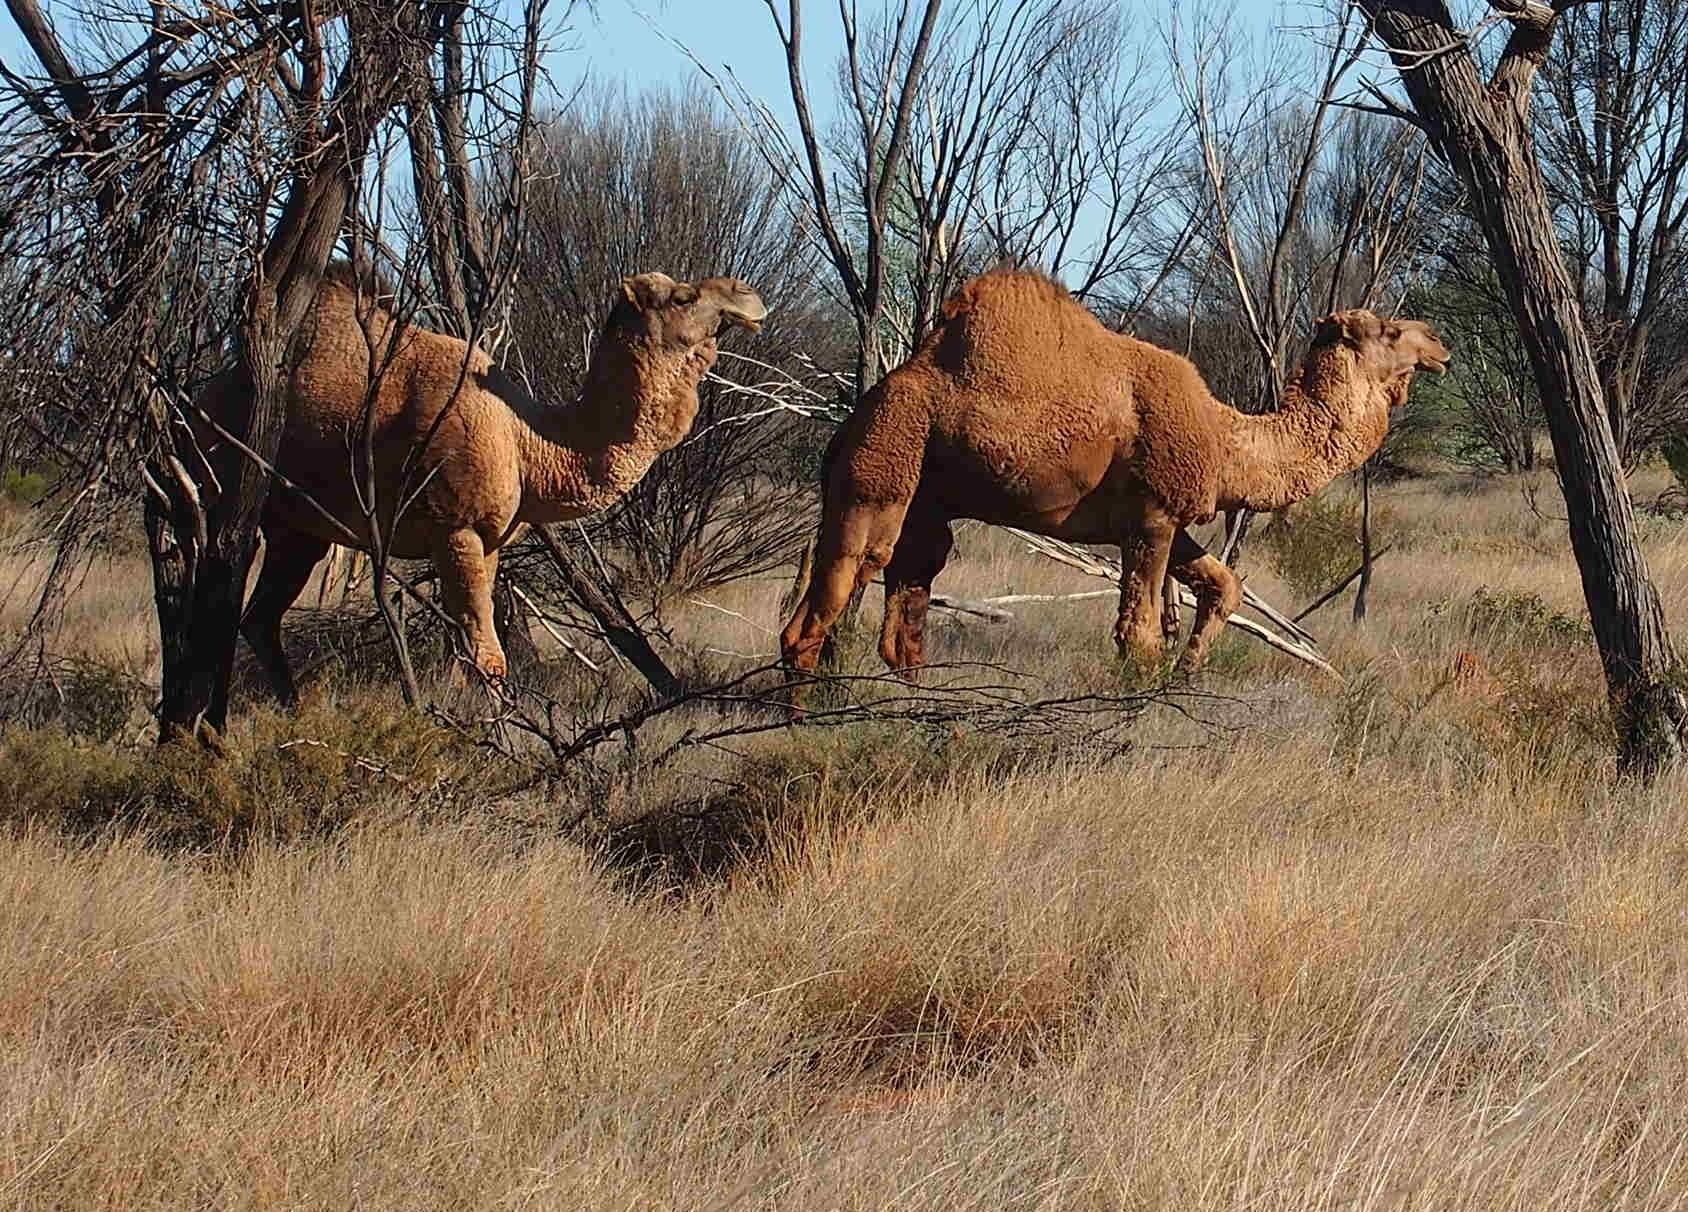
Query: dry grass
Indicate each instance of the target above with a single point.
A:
(1396, 944)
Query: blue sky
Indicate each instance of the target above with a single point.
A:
(618, 43)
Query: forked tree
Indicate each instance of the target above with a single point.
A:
(1483, 129)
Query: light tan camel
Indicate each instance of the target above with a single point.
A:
(1023, 410)
(463, 455)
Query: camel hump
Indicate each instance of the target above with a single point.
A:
(1006, 309)
(1011, 287)
(340, 278)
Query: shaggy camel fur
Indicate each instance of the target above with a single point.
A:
(1023, 410)
(462, 454)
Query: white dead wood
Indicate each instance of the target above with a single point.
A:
(1098, 566)
(552, 631)
(984, 610)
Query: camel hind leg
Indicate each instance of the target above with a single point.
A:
(920, 555)
(1218, 592)
(289, 558)
(1145, 550)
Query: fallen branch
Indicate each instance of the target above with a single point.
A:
(1096, 566)
(1272, 614)
(551, 630)
(618, 626)
(1288, 647)
(984, 610)
(1087, 596)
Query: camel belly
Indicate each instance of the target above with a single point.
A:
(443, 505)
(1075, 491)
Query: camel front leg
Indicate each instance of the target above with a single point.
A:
(1144, 553)
(466, 571)
(849, 551)
(1218, 592)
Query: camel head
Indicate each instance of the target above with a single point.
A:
(1388, 351)
(684, 317)
(657, 345)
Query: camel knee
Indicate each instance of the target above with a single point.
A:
(895, 639)
(1218, 595)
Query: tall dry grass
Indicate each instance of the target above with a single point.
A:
(1399, 943)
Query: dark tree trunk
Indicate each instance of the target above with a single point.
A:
(172, 591)
(1365, 545)
(283, 289)
(1483, 130)
(618, 626)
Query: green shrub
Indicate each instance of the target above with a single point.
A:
(1676, 457)
(1523, 615)
(22, 487)
(282, 776)
(83, 697)
(1317, 543)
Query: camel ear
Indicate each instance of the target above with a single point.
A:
(652, 292)
(1351, 326)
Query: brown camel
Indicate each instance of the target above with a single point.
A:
(1023, 410)
(463, 456)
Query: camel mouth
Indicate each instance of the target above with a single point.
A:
(751, 320)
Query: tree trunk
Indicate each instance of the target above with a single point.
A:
(283, 289)
(1365, 544)
(1483, 131)
(172, 591)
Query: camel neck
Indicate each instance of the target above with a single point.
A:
(582, 457)
(1287, 456)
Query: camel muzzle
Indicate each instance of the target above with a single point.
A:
(746, 309)
(744, 319)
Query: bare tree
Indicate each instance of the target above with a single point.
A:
(669, 181)
(883, 111)
(1614, 139)
(1302, 206)
(1484, 129)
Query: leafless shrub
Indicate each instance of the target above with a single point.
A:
(667, 181)
(1615, 150)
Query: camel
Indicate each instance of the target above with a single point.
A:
(462, 455)
(1022, 410)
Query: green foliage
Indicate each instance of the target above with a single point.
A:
(22, 487)
(1676, 457)
(83, 697)
(285, 776)
(1486, 406)
(97, 701)
(1515, 614)
(1317, 543)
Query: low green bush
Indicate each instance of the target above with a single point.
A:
(280, 776)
